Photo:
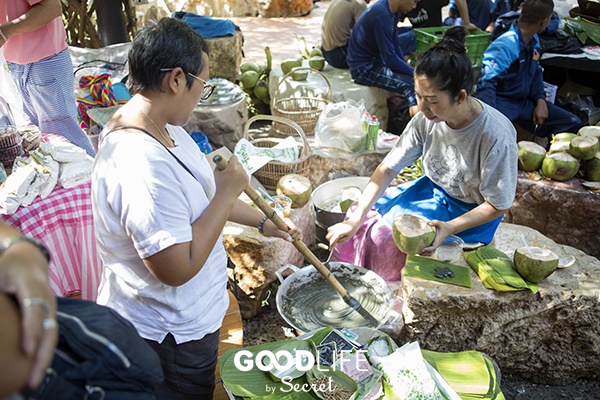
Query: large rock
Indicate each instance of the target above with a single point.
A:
(551, 337)
(222, 124)
(225, 56)
(339, 87)
(223, 8)
(284, 8)
(257, 257)
(566, 212)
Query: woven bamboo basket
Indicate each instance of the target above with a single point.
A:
(270, 173)
(304, 111)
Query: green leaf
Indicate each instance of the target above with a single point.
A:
(321, 379)
(424, 268)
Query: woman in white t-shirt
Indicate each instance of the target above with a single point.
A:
(159, 211)
(469, 155)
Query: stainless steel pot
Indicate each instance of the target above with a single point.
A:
(306, 301)
(326, 196)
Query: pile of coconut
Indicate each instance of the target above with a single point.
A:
(569, 154)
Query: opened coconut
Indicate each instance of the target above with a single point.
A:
(563, 136)
(535, 264)
(590, 131)
(297, 187)
(559, 146)
(350, 194)
(560, 166)
(591, 168)
(584, 147)
(531, 156)
(412, 233)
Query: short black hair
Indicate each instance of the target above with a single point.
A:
(536, 10)
(168, 43)
(448, 64)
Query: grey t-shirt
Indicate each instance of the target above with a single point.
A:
(339, 21)
(475, 164)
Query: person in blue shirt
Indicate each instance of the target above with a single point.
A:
(511, 76)
(473, 14)
(375, 55)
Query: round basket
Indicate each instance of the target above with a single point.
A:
(270, 173)
(304, 111)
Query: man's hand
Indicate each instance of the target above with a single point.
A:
(540, 113)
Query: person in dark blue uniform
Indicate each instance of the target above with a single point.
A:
(375, 54)
(511, 75)
(473, 14)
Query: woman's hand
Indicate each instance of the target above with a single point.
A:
(442, 231)
(293, 233)
(232, 180)
(24, 274)
(341, 232)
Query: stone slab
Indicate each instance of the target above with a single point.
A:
(225, 56)
(222, 124)
(551, 337)
(257, 257)
(340, 87)
(327, 163)
(566, 212)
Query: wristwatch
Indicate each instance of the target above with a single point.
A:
(6, 243)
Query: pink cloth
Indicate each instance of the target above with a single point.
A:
(372, 247)
(31, 46)
(63, 221)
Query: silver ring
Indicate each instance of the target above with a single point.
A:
(36, 301)
(49, 323)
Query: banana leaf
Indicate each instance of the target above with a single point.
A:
(425, 268)
(332, 377)
(469, 373)
(258, 384)
(496, 271)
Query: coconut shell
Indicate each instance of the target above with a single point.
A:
(535, 264)
(591, 168)
(297, 187)
(563, 136)
(412, 233)
(531, 156)
(590, 131)
(560, 166)
(584, 147)
(559, 146)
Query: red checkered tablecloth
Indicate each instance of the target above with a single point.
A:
(63, 221)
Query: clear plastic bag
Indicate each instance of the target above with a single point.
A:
(339, 126)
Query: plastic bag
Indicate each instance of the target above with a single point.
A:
(339, 126)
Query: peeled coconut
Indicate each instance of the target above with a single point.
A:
(591, 168)
(349, 195)
(560, 166)
(317, 62)
(590, 131)
(288, 64)
(535, 264)
(531, 156)
(412, 233)
(249, 79)
(559, 146)
(299, 75)
(297, 187)
(584, 147)
(563, 136)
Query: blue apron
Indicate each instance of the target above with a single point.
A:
(424, 198)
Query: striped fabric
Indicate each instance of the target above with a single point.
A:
(63, 221)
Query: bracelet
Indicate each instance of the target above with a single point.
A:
(6, 243)
(261, 224)
(3, 35)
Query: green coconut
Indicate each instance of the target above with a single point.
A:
(299, 75)
(249, 66)
(316, 51)
(317, 62)
(288, 64)
(560, 166)
(591, 168)
(412, 233)
(559, 146)
(535, 264)
(261, 90)
(249, 79)
(531, 156)
(349, 195)
(297, 187)
(584, 147)
(590, 131)
(563, 136)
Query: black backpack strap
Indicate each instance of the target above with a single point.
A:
(118, 128)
